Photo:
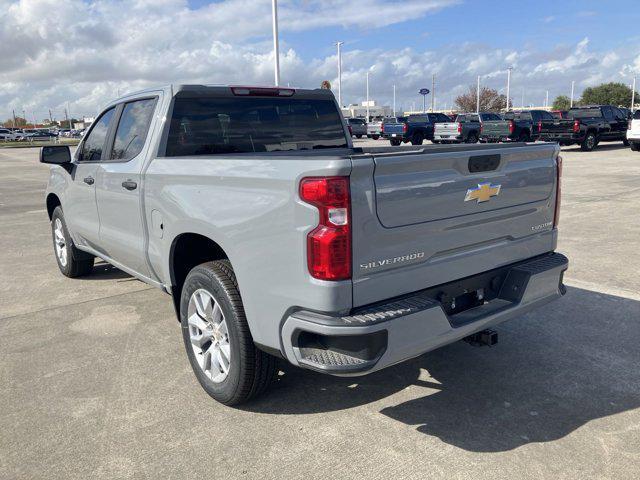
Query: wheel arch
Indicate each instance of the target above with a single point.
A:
(53, 201)
(188, 250)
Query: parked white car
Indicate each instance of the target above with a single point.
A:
(633, 132)
(7, 135)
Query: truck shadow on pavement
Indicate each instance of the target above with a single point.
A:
(105, 271)
(553, 371)
(601, 147)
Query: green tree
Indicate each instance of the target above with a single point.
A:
(562, 102)
(607, 94)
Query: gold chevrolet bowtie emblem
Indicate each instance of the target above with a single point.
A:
(482, 193)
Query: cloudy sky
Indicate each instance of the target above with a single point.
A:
(86, 52)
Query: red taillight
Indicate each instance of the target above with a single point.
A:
(382, 128)
(405, 127)
(512, 127)
(329, 244)
(629, 125)
(350, 129)
(540, 126)
(459, 127)
(556, 213)
(576, 126)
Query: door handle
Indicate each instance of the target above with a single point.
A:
(129, 184)
(89, 180)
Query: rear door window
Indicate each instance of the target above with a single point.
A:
(132, 129)
(222, 125)
(94, 143)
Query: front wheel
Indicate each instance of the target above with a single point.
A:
(71, 261)
(635, 146)
(394, 143)
(216, 335)
(625, 142)
(417, 139)
(589, 142)
(358, 136)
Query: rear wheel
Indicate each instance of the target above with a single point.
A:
(358, 136)
(472, 138)
(216, 335)
(71, 261)
(435, 141)
(589, 142)
(375, 137)
(625, 142)
(394, 143)
(524, 137)
(635, 146)
(417, 139)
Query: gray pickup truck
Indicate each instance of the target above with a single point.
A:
(276, 237)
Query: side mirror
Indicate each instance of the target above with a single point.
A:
(55, 155)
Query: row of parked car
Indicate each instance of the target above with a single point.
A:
(585, 126)
(21, 135)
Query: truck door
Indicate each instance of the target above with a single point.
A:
(609, 121)
(119, 189)
(80, 209)
(621, 124)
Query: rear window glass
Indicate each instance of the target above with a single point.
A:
(206, 126)
(356, 121)
(584, 113)
(417, 119)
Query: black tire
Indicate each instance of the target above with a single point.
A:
(471, 138)
(375, 137)
(524, 137)
(417, 139)
(77, 263)
(635, 146)
(251, 370)
(394, 143)
(435, 141)
(589, 142)
(625, 142)
(358, 136)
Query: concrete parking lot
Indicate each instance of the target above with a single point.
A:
(95, 383)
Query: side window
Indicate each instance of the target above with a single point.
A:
(619, 114)
(132, 129)
(94, 143)
(607, 113)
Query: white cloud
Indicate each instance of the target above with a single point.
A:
(86, 52)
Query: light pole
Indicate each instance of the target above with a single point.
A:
(508, 85)
(368, 95)
(338, 44)
(276, 47)
(433, 91)
(633, 93)
(478, 96)
(546, 101)
(368, 72)
(573, 83)
(394, 99)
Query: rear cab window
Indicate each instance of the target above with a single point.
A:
(584, 113)
(132, 129)
(209, 124)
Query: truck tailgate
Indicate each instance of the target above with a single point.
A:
(442, 214)
(449, 129)
(495, 129)
(393, 128)
(557, 126)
